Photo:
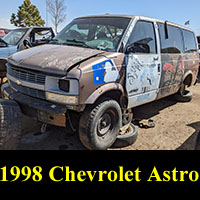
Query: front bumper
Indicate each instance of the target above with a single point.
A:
(40, 110)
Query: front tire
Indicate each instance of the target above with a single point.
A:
(10, 124)
(100, 124)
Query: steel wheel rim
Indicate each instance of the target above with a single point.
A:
(105, 124)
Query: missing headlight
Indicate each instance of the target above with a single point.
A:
(64, 85)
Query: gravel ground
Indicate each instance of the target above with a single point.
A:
(177, 127)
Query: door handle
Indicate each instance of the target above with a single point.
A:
(155, 58)
(159, 68)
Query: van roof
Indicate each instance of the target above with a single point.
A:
(133, 16)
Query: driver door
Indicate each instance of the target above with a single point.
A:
(4, 50)
(143, 64)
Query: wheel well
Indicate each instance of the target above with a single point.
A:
(188, 80)
(115, 95)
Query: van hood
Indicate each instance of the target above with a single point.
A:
(54, 59)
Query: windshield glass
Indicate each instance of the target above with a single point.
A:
(13, 37)
(102, 33)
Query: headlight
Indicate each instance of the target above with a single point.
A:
(69, 87)
(64, 91)
(63, 99)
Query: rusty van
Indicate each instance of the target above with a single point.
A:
(97, 69)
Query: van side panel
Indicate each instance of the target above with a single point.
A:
(179, 58)
(191, 63)
(172, 74)
(175, 69)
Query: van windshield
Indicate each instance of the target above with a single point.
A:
(14, 36)
(103, 33)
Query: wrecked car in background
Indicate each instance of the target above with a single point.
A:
(97, 69)
(22, 38)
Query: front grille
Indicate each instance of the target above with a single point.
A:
(26, 75)
(28, 91)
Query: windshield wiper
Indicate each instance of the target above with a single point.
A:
(81, 43)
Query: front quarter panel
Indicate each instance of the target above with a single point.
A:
(99, 75)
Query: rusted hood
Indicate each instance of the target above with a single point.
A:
(54, 59)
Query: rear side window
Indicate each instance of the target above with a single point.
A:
(43, 35)
(143, 38)
(189, 41)
(174, 42)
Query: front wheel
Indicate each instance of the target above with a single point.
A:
(10, 124)
(100, 124)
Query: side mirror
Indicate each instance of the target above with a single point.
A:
(130, 48)
(27, 44)
(138, 48)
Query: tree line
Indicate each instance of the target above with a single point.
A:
(28, 14)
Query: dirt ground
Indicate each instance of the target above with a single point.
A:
(177, 127)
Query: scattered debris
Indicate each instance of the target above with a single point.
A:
(144, 123)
